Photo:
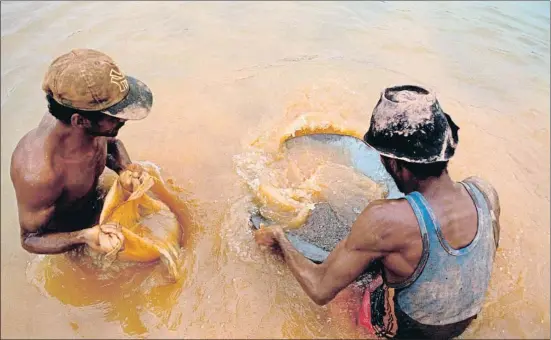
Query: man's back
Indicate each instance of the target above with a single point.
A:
(445, 240)
(457, 216)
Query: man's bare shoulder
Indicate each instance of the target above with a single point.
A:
(32, 170)
(386, 212)
(381, 222)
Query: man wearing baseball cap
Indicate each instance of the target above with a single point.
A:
(55, 167)
(437, 244)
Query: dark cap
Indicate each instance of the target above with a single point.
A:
(409, 124)
(89, 80)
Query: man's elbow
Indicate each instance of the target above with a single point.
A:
(321, 301)
(31, 243)
(321, 298)
(26, 243)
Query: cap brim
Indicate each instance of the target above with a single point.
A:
(137, 103)
(396, 155)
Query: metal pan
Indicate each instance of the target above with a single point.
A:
(363, 159)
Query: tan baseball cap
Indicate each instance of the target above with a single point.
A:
(89, 80)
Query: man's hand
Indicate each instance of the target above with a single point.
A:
(133, 176)
(135, 167)
(103, 238)
(117, 156)
(367, 241)
(269, 236)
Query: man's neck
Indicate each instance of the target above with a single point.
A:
(72, 142)
(433, 186)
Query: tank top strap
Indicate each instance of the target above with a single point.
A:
(481, 203)
(486, 217)
(423, 219)
(425, 216)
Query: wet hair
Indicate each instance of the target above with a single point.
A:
(64, 113)
(425, 170)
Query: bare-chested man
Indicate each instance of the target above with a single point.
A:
(55, 168)
(437, 244)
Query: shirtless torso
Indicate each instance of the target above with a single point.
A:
(55, 170)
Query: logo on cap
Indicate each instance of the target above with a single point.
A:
(119, 79)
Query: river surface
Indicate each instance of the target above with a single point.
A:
(224, 73)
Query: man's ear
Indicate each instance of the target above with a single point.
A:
(402, 170)
(79, 121)
(395, 165)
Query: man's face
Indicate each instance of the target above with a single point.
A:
(107, 126)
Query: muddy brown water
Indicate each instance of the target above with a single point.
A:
(222, 73)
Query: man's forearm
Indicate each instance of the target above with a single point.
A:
(307, 273)
(117, 156)
(54, 243)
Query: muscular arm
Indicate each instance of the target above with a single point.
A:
(55, 243)
(117, 156)
(365, 243)
(36, 204)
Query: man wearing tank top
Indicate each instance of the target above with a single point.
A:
(437, 245)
